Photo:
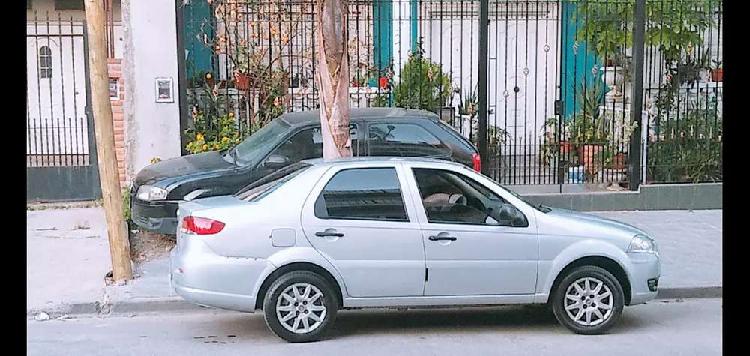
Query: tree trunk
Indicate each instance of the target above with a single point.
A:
(119, 245)
(333, 77)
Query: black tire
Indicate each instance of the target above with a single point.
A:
(329, 299)
(559, 300)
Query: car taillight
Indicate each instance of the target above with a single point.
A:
(201, 226)
(476, 159)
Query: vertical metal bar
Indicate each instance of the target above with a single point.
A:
(50, 140)
(562, 28)
(639, 27)
(482, 81)
(63, 156)
(40, 139)
(89, 129)
(181, 76)
(29, 137)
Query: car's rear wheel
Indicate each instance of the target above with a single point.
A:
(300, 306)
(589, 300)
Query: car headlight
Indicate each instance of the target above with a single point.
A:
(150, 193)
(642, 243)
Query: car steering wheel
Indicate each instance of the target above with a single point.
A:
(458, 199)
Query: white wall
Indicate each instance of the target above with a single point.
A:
(153, 129)
(522, 51)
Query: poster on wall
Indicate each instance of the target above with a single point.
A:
(164, 92)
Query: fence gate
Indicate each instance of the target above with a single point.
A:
(61, 161)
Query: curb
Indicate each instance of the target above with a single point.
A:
(176, 304)
(690, 292)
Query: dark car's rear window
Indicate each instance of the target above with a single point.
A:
(464, 142)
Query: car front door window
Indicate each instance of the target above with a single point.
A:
(452, 198)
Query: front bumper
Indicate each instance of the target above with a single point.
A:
(644, 279)
(159, 217)
(203, 277)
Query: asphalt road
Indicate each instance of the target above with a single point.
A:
(662, 327)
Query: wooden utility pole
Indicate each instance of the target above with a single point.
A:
(333, 77)
(119, 246)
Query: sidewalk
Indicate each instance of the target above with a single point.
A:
(68, 257)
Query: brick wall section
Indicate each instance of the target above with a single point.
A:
(118, 117)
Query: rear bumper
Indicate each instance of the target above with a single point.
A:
(200, 276)
(159, 217)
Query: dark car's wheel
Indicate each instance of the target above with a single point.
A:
(300, 306)
(589, 300)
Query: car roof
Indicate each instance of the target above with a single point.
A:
(364, 161)
(357, 114)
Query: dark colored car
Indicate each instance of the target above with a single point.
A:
(290, 138)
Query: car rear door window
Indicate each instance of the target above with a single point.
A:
(404, 140)
(362, 194)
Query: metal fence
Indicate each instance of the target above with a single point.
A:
(558, 77)
(60, 149)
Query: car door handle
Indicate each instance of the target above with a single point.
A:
(328, 233)
(442, 238)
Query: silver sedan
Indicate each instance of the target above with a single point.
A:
(319, 236)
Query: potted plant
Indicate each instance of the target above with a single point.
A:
(423, 84)
(717, 72)
(467, 113)
(588, 131)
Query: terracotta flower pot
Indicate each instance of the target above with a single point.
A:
(383, 82)
(565, 147)
(587, 153)
(618, 161)
(241, 81)
(717, 75)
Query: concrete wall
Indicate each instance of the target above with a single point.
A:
(152, 128)
(42, 7)
(649, 197)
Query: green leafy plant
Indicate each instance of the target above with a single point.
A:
(423, 84)
(221, 135)
(126, 214)
(689, 149)
(672, 26)
(380, 100)
(550, 147)
(588, 126)
(469, 104)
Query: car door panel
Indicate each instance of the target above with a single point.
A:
(375, 258)
(482, 260)
(478, 259)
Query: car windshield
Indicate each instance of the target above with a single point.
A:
(264, 186)
(253, 148)
(540, 207)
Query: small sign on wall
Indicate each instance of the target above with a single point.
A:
(164, 92)
(114, 89)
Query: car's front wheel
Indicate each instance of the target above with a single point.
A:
(589, 300)
(300, 306)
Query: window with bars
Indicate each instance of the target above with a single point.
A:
(45, 62)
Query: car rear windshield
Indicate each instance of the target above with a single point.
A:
(264, 186)
(457, 136)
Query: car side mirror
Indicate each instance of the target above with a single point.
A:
(511, 214)
(276, 161)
